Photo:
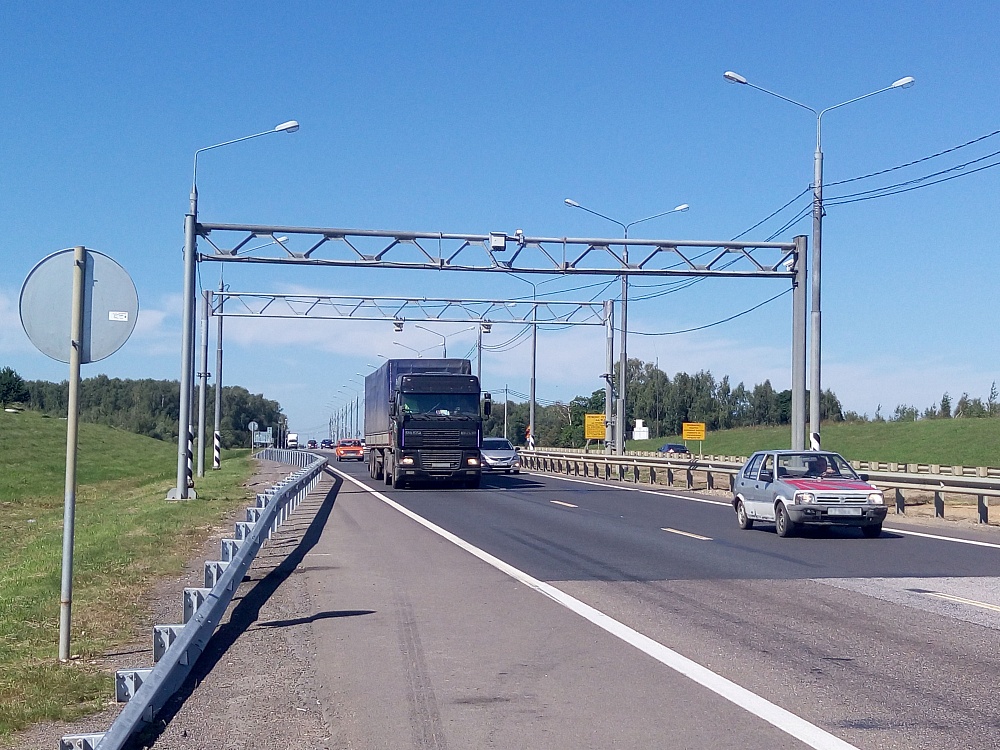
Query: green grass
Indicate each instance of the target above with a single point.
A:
(949, 442)
(127, 536)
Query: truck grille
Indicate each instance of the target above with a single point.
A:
(441, 460)
(438, 439)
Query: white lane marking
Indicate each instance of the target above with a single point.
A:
(688, 533)
(781, 718)
(637, 489)
(727, 504)
(894, 530)
(560, 502)
(960, 600)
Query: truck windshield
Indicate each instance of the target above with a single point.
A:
(441, 404)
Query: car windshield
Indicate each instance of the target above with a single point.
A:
(441, 404)
(497, 444)
(350, 443)
(814, 465)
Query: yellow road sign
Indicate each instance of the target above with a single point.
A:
(593, 427)
(693, 430)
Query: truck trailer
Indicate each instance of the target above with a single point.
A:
(424, 422)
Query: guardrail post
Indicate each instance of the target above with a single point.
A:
(688, 479)
(194, 598)
(213, 572)
(900, 502)
(938, 504)
(127, 682)
(670, 477)
(163, 636)
(983, 506)
(81, 741)
(710, 481)
(635, 474)
(652, 475)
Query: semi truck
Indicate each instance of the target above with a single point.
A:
(424, 422)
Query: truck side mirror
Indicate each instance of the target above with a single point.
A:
(487, 404)
(392, 408)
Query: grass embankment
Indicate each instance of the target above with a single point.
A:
(126, 536)
(949, 442)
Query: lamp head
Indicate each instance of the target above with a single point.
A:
(903, 83)
(734, 77)
(572, 203)
(287, 127)
(682, 207)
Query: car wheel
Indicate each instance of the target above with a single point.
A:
(872, 531)
(742, 518)
(782, 523)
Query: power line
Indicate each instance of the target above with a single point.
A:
(710, 325)
(916, 161)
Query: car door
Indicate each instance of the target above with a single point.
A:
(746, 482)
(763, 506)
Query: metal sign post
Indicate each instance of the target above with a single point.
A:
(101, 318)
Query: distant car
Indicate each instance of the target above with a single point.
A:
(312, 444)
(795, 488)
(499, 455)
(326, 443)
(673, 449)
(349, 448)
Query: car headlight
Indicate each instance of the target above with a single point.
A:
(805, 498)
(876, 498)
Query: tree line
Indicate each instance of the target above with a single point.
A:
(663, 403)
(147, 407)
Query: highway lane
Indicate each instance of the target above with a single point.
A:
(884, 643)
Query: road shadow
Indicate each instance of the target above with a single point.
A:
(244, 615)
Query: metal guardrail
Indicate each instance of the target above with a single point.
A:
(176, 648)
(980, 482)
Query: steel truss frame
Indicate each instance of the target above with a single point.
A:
(493, 252)
(403, 309)
(496, 251)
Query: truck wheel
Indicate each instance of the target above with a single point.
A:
(396, 481)
(742, 518)
(473, 484)
(782, 523)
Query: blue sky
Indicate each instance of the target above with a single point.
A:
(465, 117)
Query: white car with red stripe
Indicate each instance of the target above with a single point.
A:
(792, 489)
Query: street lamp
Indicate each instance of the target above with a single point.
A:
(815, 317)
(418, 352)
(623, 363)
(182, 491)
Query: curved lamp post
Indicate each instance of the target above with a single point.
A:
(815, 316)
(623, 363)
(182, 490)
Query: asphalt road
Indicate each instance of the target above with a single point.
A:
(555, 613)
(885, 643)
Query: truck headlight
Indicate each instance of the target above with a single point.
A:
(805, 498)
(876, 498)
(472, 461)
(406, 461)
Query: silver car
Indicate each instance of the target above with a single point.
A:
(499, 455)
(795, 488)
